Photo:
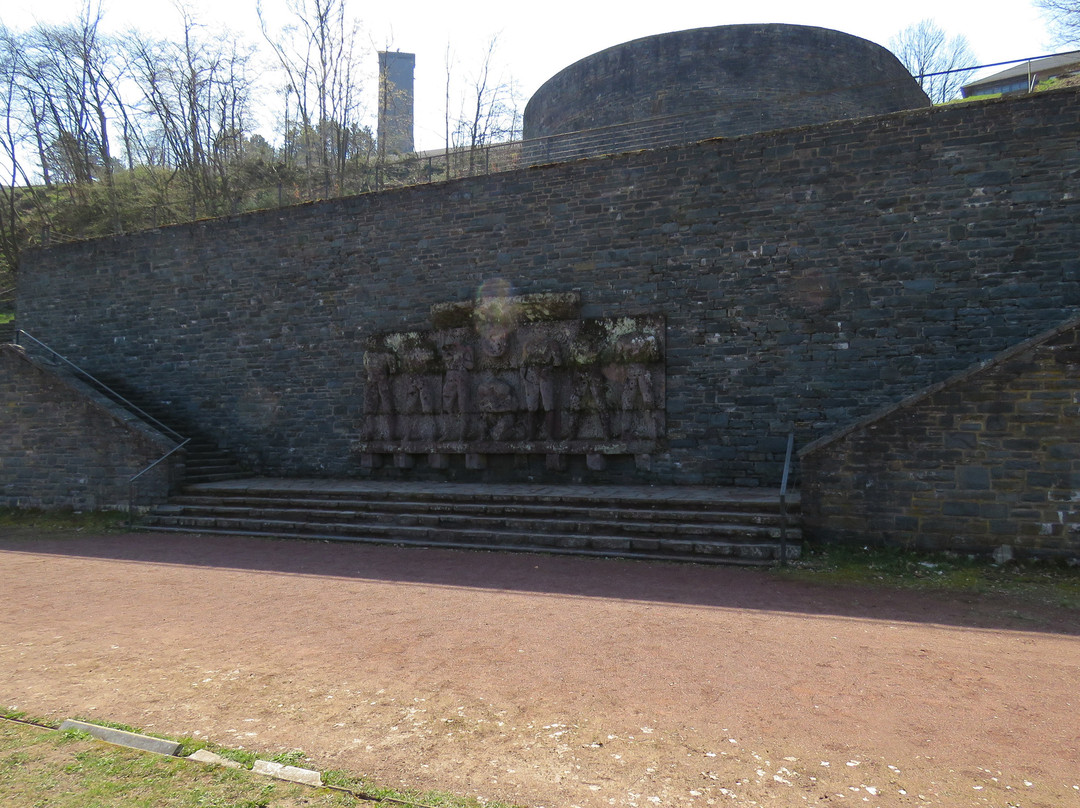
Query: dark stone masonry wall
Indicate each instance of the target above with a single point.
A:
(807, 278)
(722, 81)
(64, 446)
(989, 458)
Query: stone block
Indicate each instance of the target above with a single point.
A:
(293, 774)
(123, 738)
(206, 756)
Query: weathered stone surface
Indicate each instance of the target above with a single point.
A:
(123, 738)
(990, 443)
(793, 271)
(206, 756)
(293, 774)
(63, 445)
(516, 376)
(697, 84)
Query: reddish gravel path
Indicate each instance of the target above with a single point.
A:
(550, 681)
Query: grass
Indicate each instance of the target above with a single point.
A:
(1046, 582)
(6, 318)
(39, 767)
(63, 520)
(72, 770)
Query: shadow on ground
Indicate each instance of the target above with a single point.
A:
(654, 582)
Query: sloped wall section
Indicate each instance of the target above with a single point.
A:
(987, 458)
(64, 446)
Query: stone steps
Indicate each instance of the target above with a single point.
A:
(704, 525)
(205, 462)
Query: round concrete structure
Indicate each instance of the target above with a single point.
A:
(724, 81)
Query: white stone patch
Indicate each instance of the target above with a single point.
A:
(206, 756)
(293, 774)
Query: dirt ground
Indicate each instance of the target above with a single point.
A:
(550, 681)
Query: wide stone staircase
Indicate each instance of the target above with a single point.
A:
(706, 525)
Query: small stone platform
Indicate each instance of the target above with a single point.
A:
(679, 523)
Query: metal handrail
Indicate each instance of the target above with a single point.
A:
(133, 408)
(104, 387)
(783, 500)
(132, 484)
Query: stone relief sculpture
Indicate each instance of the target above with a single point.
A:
(417, 365)
(635, 352)
(541, 358)
(379, 366)
(589, 411)
(497, 403)
(456, 400)
(515, 375)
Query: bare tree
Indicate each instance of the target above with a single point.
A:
(1064, 19)
(490, 109)
(939, 63)
(10, 139)
(196, 96)
(321, 67)
(68, 78)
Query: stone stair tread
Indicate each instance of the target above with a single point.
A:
(397, 540)
(548, 523)
(502, 493)
(440, 533)
(709, 525)
(214, 477)
(521, 506)
(479, 510)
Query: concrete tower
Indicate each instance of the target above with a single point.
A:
(396, 102)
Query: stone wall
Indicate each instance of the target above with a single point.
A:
(722, 81)
(987, 458)
(64, 446)
(806, 278)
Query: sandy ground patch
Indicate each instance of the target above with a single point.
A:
(550, 681)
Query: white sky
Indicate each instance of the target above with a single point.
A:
(538, 39)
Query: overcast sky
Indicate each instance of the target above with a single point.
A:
(537, 40)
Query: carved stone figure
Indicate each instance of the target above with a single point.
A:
(458, 359)
(541, 357)
(496, 403)
(495, 341)
(638, 400)
(418, 408)
(378, 395)
(514, 375)
(590, 416)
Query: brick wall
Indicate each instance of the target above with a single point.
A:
(807, 278)
(64, 446)
(987, 458)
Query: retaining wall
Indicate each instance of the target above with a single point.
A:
(807, 277)
(985, 459)
(64, 446)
